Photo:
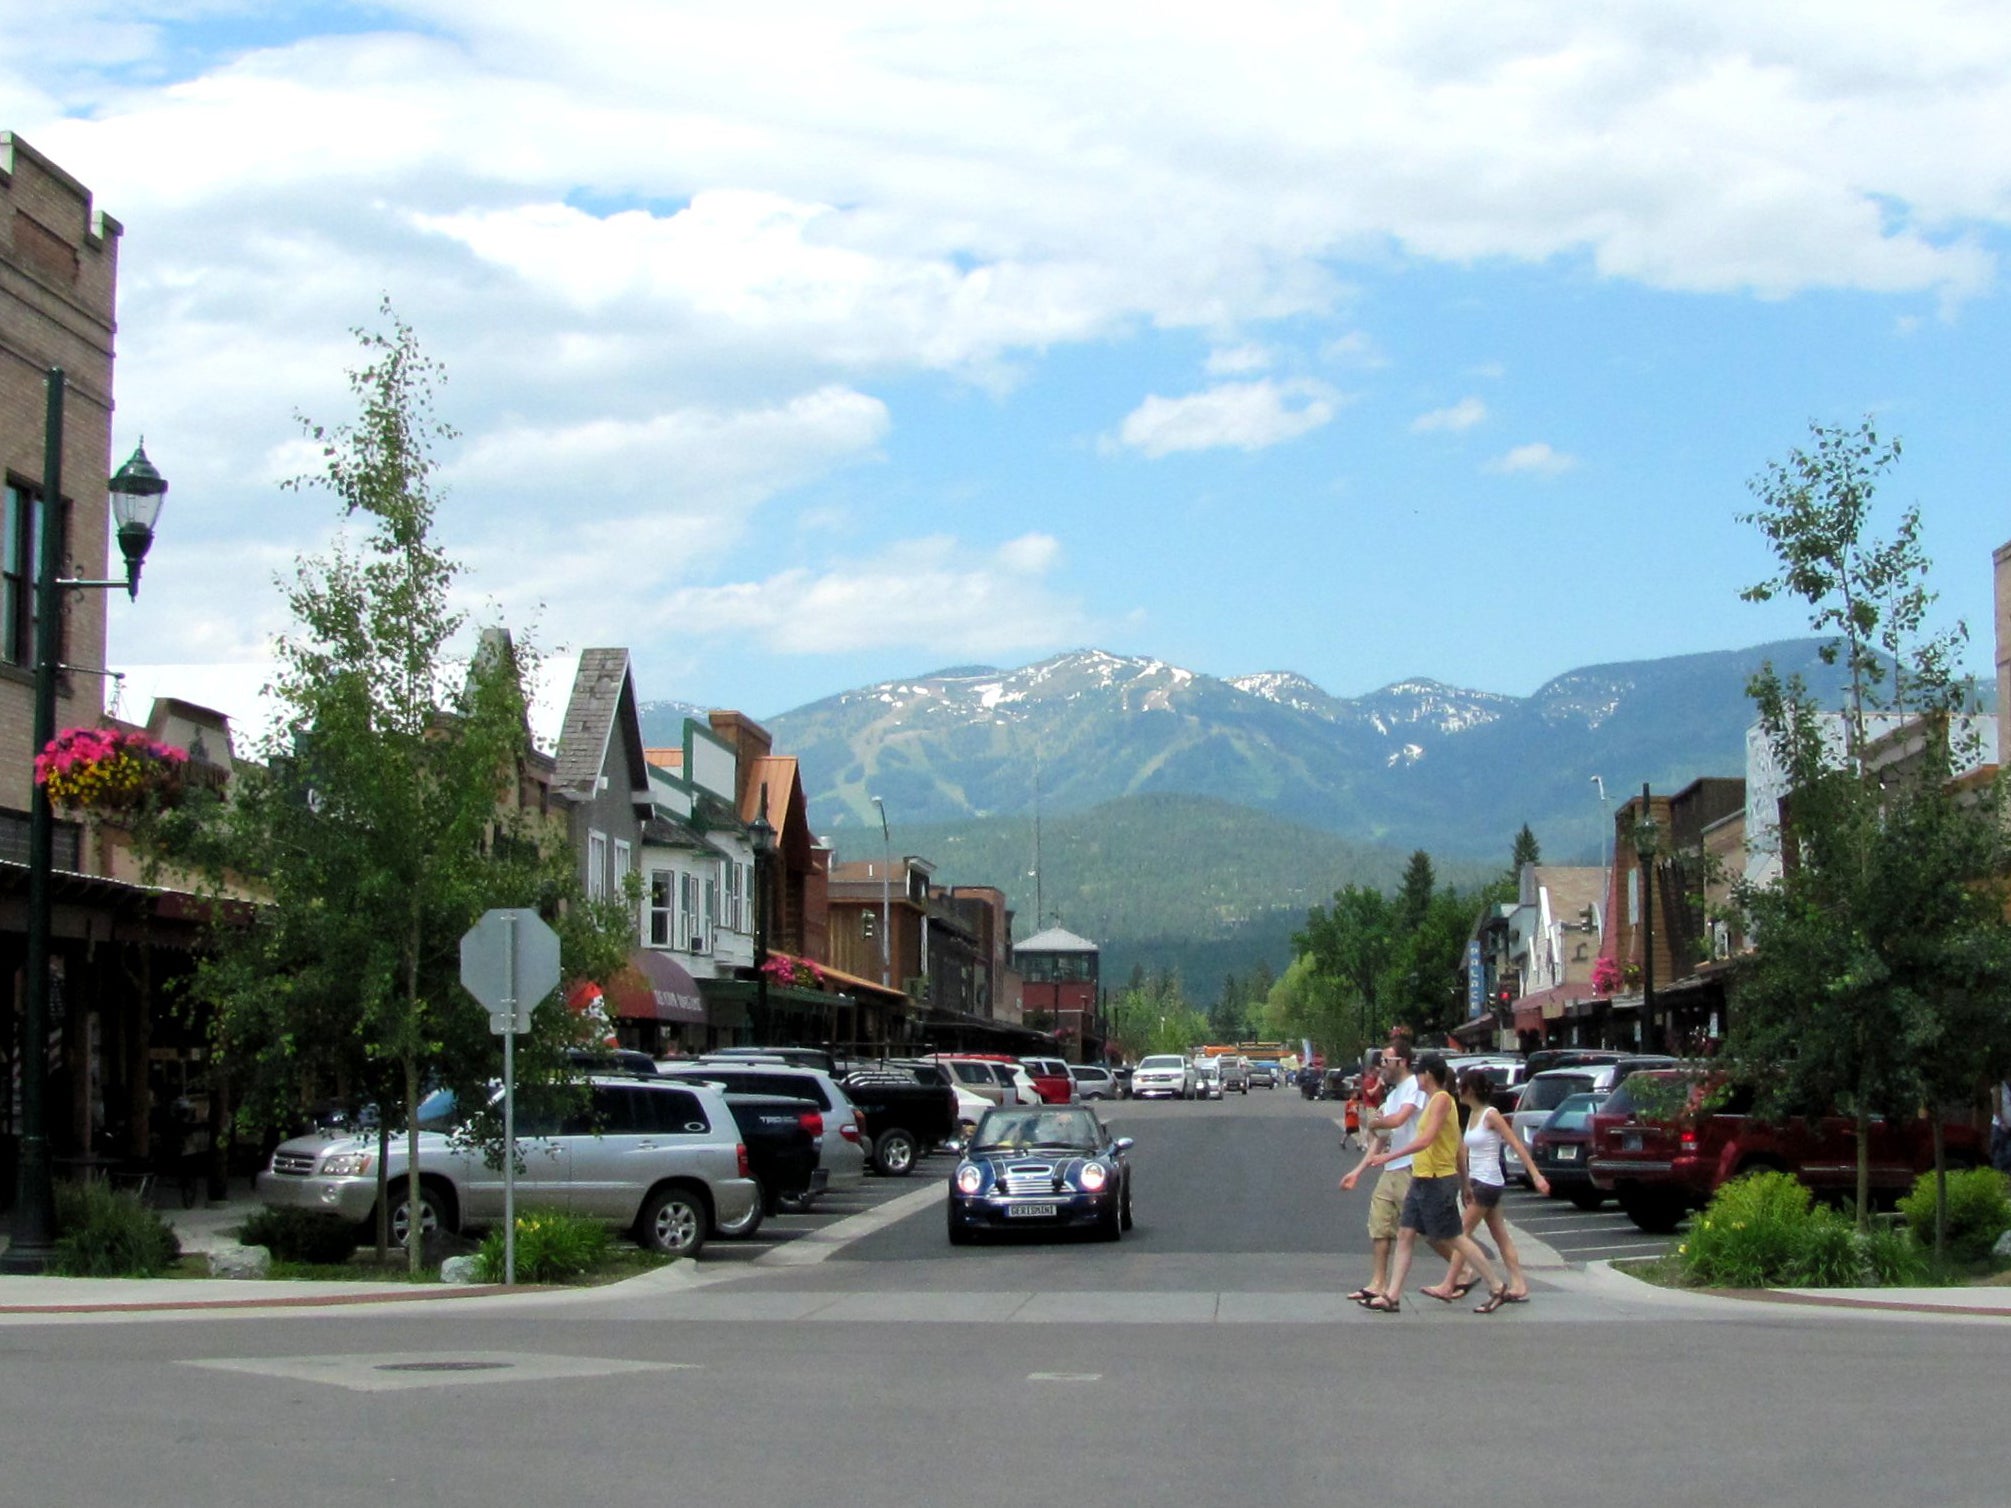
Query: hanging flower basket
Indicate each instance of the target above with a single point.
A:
(800, 972)
(1605, 976)
(110, 772)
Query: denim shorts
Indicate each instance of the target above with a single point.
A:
(1431, 1208)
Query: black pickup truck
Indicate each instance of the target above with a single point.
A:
(906, 1118)
(782, 1137)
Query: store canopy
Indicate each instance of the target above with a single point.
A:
(656, 987)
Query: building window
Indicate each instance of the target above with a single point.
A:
(622, 864)
(687, 909)
(596, 865)
(20, 564)
(736, 896)
(868, 925)
(661, 907)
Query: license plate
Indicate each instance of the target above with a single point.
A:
(1567, 1154)
(1030, 1211)
(1630, 1141)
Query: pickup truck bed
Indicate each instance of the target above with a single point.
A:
(905, 1119)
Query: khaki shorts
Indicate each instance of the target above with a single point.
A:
(1386, 1204)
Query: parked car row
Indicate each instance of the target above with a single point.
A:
(674, 1153)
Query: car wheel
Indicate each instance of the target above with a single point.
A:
(1110, 1226)
(748, 1224)
(1654, 1213)
(960, 1234)
(894, 1153)
(673, 1222)
(432, 1214)
(1587, 1199)
(1125, 1219)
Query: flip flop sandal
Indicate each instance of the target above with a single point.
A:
(1495, 1300)
(1361, 1295)
(1516, 1298)
(1381, 1305)
(1443, 1298)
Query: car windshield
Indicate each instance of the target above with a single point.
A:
(1012, 1129)
(1161, 1060)
(1546, 1093)
(1573, 1114)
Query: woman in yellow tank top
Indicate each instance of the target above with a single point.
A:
(1431, 1208)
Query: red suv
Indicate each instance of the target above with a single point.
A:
(1052, 1078)
(1660, 1166)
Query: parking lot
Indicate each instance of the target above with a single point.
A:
(779, 1229)
(1581, 1235)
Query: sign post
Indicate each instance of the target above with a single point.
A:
(510, 962)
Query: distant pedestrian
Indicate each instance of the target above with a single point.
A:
(2000, 1125)
(1403, 1102)
(1431, 1204)
(1486, 1179)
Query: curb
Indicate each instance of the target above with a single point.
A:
(276, 1301)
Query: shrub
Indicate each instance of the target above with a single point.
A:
(1894, 1259)
(301, 1236)
(1979, 1211)
(1751, 1236)
(110, 1233)
(1766, 1231)
(552, 1247)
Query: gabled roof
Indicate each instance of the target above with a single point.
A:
(602, 705)
(1056, 940)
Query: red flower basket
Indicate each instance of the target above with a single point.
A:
(105, 770)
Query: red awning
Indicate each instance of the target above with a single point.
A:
(1529, 1018)
(655, 987)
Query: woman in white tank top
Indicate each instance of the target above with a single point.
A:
(1487, 1131)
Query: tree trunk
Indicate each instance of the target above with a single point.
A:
(1940, 1193)
(414, 1230)
(1864, 1170)
(383, 1185)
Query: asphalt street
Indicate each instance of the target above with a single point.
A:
(1206, 1359)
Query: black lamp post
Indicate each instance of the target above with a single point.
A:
(1645, 837)
(137, 492)
(762, 834)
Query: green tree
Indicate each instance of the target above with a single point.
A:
(376, 827)
(1526, 851)
(1349, 944)
(1885, 931)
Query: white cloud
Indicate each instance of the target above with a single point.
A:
(934, 595)
(1242, 415)
(1354, 349)
(1236, 361)
(1537, 459)
(1463, 415)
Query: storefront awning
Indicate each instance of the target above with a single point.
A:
(656, 987)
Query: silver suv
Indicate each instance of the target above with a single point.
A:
(663, 1161)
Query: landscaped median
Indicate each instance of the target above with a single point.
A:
(108, 1233)
(1766, 1231)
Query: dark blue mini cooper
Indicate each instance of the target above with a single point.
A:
(1041, 1167)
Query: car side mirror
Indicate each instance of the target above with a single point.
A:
(955, 1148)
(1124, 1144)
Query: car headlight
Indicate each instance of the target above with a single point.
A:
(1094, 1176)
(970, 1178)
(347, 1164)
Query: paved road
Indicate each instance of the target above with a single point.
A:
(1182, 1366)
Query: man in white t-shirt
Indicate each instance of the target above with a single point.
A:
(1401, 1107)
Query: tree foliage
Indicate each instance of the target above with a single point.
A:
(377, 828)
(1881, 951)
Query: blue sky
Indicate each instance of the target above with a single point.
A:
(802, 346)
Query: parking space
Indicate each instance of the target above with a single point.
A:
(779, 1229)
(1582, 1235)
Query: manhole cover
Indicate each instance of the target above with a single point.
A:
(445, 1366)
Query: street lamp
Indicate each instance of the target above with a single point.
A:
(1645, 838)
(137, 493)
(886, 899)
(761, 833)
